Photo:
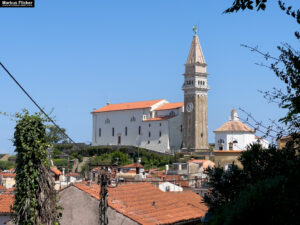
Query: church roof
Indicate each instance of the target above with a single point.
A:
(158, 118)
(169, 106)
(195, 54)
(128, 106)
(234, 125)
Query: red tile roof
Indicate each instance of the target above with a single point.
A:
(158, 118)
(10, 190)
(6, 201)
(55, 170)
(135, 165)
(72, 174)
(146, 204)
(127, 106)
(4, 175)
(2, 187)
(196, 161)
(169, 106)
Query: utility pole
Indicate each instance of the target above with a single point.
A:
(104, 180)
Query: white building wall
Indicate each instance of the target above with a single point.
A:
(243, 140)
(167, 186)
(155, 142)
(121, 119)
(175, 132)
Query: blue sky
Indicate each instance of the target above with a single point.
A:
(73, 56)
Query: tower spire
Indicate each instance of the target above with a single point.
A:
(195, 54)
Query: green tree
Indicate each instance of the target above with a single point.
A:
(35, 197)
(265, 191)
(6, 165)
(55, 135)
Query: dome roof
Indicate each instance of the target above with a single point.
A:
(234, 125)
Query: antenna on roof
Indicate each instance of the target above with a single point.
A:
(107, 101)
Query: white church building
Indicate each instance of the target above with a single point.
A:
(235, 135)
(155, 125)
(165, 127)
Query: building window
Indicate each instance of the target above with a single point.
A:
(99, 132)
(113, 131)
(180, 128)
(148, 142)
(107, 121)
(160, 124)
(221, 141)
(159, 142)
(149, 134)
(125, 131)
(149, 125)
(160, 133)
(140, 130)
(172, 113)
(132, 119)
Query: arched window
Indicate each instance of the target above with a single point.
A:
(125, 131)
(107, 121)
(99, 132)
(160, 133)
(140, 130)
(149, 134)
(113, 131)
(132, 119)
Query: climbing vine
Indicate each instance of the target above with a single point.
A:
(35, 197)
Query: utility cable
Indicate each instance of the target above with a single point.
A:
(35, 103)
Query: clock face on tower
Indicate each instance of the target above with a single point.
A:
(189, 107)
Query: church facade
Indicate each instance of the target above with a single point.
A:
(155, 125)
(159, 125)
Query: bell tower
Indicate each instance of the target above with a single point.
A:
(195, 128)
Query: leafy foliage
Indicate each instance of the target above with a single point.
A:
(6, 165)
(55, 135)
(266, 187)
(35, 197)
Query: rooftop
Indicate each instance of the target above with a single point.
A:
(6, 201)
(135, 165)
(55, 170)
(158, 118)
(168, 106)
(234, 125)
(146, 204)
(128, 106)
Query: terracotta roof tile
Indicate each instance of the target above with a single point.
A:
(2, 187)
(158, 118)
(234, 126)
(72, 174)
(146, 204)
(135, 165)
(7, 174)
(6, 201)
(127, 106)
(55, 170)
(168, 106)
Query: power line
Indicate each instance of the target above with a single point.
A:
(35, 103)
